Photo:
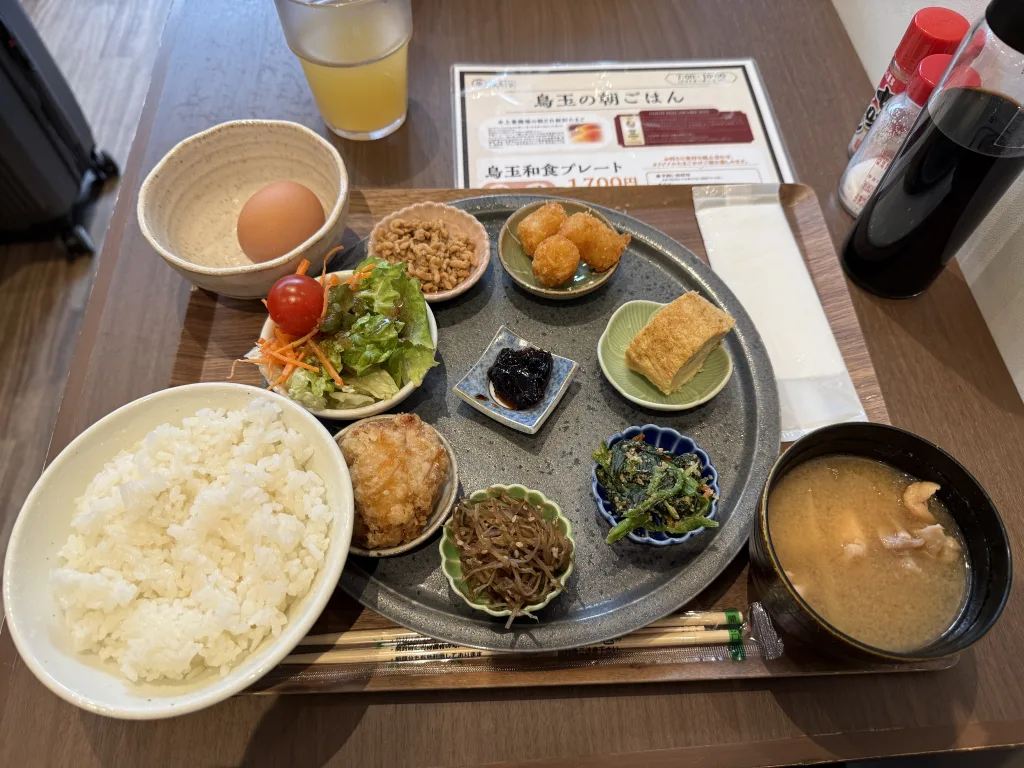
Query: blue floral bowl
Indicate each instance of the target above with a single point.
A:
(673, 442)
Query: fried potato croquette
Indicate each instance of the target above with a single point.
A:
(539, 226)
(599, 245)
(398, 468)
(555, 261)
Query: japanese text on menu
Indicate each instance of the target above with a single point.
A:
(674, 124)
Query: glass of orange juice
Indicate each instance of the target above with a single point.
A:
(354, 54)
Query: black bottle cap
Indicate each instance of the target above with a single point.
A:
(1006, 20)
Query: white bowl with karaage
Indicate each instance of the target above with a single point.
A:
(405, 479)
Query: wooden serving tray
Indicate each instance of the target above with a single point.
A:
(216, 330)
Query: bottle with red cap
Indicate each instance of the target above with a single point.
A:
(961, 155)
(931, 31)
(869, 162)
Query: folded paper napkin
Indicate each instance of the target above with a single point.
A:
(751, 247)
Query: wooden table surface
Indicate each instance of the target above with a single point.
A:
(939, 370)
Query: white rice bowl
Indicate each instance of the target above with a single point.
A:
(171, 555)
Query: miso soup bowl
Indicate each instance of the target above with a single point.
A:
(988, 547)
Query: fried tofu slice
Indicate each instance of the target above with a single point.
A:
(671, 349)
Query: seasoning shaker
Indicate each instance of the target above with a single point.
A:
(962, 154)
(932, 30)
(868, 164)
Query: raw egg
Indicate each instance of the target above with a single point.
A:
(277, 219)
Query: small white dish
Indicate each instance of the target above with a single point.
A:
(189, 203)
(458, 221)
(475, 387)
(442, 510)
(44, 524)
(348, 414)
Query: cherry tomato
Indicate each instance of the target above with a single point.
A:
(295, 303)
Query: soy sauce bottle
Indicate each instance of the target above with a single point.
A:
(964, 151)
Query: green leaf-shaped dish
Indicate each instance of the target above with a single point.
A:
(624, 325)
(451, 565)
(519, 266)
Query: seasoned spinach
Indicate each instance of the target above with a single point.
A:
(653, 489)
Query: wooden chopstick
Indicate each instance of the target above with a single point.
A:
(371, 637)
(648, 638)
(390, 638)
(694, 620)
(727, 618)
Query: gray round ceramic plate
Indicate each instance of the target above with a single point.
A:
(442, 510)
(614, 589)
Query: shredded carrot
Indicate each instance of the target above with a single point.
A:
(283, 349)
(300, 341)
(285, 375)
(332, 252)
(289, 360)
(357, 276)
(324, 308)
(265, 303)
(326, 364)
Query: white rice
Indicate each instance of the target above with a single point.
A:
(188, 549)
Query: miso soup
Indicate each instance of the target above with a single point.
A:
(871, 549)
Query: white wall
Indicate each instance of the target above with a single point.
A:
(876, 26)
(993, 259)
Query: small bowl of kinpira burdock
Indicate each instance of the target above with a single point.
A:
(560, 249)
(508, 551)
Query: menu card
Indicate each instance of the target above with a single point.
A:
(612, 125)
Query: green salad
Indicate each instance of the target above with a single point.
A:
(374, 333)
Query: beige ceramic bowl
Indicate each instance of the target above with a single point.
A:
(458, 221)
(189, 204)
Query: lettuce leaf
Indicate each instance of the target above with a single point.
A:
(376, 335)
(379, 293)
(345, 399)
(339, 302)
(410, 363)
(333, 347)
(318, 390)
(389, 290)
(414, 314)
(376, 383)
(371, 340)
(310, 389)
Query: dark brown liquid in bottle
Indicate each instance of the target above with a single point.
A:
(962, 154)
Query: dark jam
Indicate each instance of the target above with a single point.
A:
(520, 376)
